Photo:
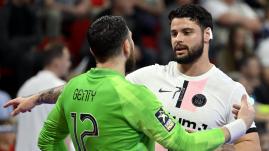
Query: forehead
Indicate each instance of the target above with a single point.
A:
(183, 23)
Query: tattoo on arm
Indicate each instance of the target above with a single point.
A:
(49, 96)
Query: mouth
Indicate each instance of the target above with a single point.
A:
(180, 51)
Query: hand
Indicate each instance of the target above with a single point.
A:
(189, 130)
(246, 112)
(235, 110)
(226, 147)
(21, 105)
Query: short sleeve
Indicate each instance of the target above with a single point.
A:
(235, 98)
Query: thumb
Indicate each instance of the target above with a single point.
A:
(244, 100)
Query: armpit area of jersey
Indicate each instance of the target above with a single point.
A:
(251, 130)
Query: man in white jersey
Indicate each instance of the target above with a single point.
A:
(197, 94)
(56, 62)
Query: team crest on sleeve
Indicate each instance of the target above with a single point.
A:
(165, 120)
(199, 100)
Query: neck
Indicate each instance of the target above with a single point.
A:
(198, 67)
(113, 64)
(53, 70)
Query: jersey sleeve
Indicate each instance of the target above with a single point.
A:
(55, 129)
(145, 113)
(235, 98)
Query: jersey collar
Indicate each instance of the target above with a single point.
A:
(100, 72)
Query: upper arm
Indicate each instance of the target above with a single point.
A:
(54, 130)
(236, 99)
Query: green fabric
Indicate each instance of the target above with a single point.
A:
(128, 118)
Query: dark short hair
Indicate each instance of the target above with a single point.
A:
(52, 51)
(195, 12)
(106, 35)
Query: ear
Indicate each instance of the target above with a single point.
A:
(126, 48)
(208, 35)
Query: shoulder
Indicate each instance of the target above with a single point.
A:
(150, 72)
(222, 78)
(223, 85)
(132, 92)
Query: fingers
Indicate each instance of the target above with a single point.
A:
(236, 106)
(244, 100)
(235, 111)
(15, 111)
(190, 131)
(11, 102)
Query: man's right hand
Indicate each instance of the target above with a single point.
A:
(246, 112)
(21, 105)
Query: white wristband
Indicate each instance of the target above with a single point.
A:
(237, 129)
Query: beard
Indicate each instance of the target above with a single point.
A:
(193, 53)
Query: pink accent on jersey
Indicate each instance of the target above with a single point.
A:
(194, 87)
(159, 147)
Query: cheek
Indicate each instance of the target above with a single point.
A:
(172, 41)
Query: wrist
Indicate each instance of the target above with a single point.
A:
(37, 100)
(236, 129)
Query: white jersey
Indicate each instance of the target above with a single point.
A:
(198, 103)
(30, 124)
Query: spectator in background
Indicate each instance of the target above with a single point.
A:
(265, 28)
(20, 32)
(262, 51)
(147, 16)
(4, 97)
(250, 73)
(227, 13)
(261, 96)
(7, 125)
(236, 49)
(261, 93)
(231, 12)
(58, 11)
(7, 134)
(56, 65)
(128, 10)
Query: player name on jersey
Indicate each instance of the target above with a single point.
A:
(83, 95)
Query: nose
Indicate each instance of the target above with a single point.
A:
(179, 38)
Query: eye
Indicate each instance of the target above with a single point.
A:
(173, 34)
(187, 32)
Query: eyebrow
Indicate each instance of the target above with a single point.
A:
(183, 29)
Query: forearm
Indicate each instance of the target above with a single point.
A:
(49, 96)
(249, 142)
(247, 146)
(204, 140)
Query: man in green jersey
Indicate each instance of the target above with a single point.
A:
(103, 111)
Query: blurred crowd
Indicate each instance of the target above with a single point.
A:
(29, 27)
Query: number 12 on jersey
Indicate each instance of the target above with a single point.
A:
(83, 117)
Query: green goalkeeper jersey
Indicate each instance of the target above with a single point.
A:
(104, 112)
